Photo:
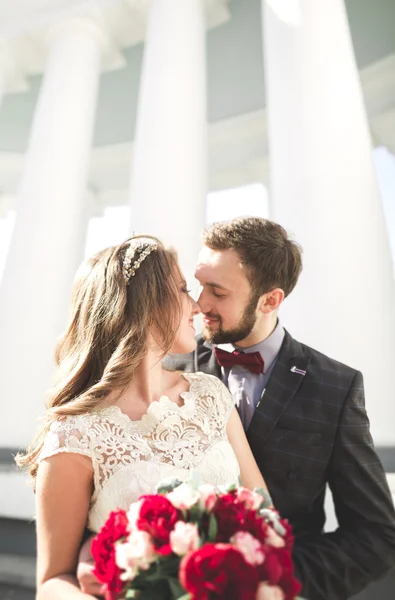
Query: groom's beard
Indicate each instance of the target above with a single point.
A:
(236, 334)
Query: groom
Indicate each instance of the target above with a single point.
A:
(303, 412)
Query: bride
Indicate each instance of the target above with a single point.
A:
(117, 422)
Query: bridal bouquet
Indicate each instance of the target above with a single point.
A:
(193, 542)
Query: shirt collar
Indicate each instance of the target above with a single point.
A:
(268, 348)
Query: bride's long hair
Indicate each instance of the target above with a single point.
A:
(107, 335)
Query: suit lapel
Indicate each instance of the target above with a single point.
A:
(285, 380)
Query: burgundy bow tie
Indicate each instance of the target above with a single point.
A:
(252, 361)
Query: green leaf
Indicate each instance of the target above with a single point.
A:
(212, 528)
(176, 588)
(168, 566)
(195, 514)
(273, 518)
(267, 501)
(155, 590)
(167, 485)
(231, 487)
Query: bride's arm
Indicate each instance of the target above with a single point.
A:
(63, 494)
(251, 476)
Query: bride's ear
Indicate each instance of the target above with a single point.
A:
(270, 301)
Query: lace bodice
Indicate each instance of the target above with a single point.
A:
(130, 457)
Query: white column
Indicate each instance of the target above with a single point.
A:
(50, 228)
(324, 191)
(168, 185)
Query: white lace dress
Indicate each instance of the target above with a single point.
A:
(129, 458)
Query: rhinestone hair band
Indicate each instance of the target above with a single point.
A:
(131, 264)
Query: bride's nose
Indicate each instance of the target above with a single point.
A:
(195, 307)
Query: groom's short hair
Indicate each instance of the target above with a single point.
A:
(270, 257)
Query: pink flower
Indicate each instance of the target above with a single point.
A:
(184, 538)
(183, 497)
(249, 546)
(273, 539)
(134, 554)
(269, 592)
(208, 496)
(125, 561)
(252, 500)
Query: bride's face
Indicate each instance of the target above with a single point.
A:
(185, 338)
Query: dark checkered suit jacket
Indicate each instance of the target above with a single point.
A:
(310, 430)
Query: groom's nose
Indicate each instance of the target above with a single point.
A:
(202, 300)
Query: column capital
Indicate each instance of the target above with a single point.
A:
(91, 22)
(216, 11)
(30, 41)
(86, 24)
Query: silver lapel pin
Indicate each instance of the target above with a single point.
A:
(260, 399)
(298, 371)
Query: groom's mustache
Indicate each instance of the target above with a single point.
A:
(212, 316)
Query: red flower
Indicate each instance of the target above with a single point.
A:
(288, 537)
(103, 551)
(233, 516)
(218, 571)
(277, 566)
(158, 517)
(278, 569)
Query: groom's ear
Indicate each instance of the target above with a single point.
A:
(270, 301)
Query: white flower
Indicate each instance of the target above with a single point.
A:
(136, 553)
(183, 497)
(249, 546)
(124, 560)
(184, 538)
(134, 513)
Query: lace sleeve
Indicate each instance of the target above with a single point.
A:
(68, 435)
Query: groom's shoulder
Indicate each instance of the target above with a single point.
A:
(180, 362)
(202, 344)
(322, 364)
(189, 362)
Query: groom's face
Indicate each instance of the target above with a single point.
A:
(226, 299)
